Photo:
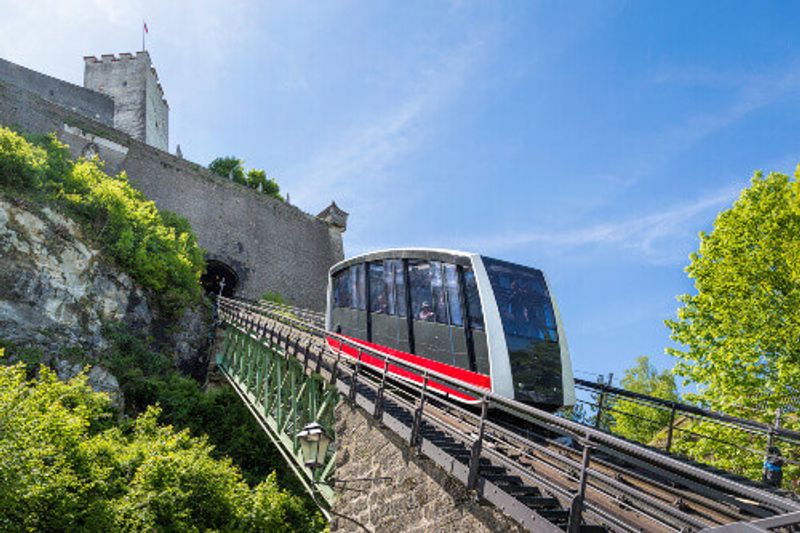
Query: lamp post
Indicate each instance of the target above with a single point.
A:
(314, 442)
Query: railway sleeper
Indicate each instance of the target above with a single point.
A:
(502, 479)
(559, 517)
(518, 491)
(539, 502)
(485, 469)
(445, 443)
(458, 455)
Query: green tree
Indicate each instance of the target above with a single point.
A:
(229, 167)
(740, 331)
(258, 178)
(634, 420)
(64, 466)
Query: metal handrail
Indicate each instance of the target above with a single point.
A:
(741, 423)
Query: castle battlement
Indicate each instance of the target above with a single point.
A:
(123, 56)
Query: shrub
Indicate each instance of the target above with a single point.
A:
(274, 297)
(233, 168)
(157, 248)
(147, 377)
(21, 163)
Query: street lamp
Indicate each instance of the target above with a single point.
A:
(314, 444)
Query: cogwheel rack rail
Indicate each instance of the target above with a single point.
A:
(545, 472)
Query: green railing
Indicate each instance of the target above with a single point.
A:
(283, 397)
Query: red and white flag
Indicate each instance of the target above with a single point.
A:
(145, 26)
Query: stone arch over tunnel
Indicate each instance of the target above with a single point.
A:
(216, 272)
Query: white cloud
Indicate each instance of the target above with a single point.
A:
(752, 91)
(650, 236)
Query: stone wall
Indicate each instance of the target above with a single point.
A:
(418, 496)
(84, 101)
(271, 245)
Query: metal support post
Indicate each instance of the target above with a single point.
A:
(771, 435)
(670, 430)
(418, 412)
(354, 380)
(379, 400)
(601, 401)
(576, 508)
(319, 355)
(335, 370)
(475, 455)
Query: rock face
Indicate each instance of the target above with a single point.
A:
(56, 292)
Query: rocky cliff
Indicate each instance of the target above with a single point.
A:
(58, 291)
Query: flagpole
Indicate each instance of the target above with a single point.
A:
(143, 48)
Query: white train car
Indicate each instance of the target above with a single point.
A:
(486, 322)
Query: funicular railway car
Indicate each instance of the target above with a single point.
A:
(483, 321)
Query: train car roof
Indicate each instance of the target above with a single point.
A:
(437, 254)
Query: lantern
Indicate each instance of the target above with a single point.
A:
(314, 444)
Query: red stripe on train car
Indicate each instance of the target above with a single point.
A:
(473, 378)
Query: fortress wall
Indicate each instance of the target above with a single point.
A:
(84, 101)
(271, 245)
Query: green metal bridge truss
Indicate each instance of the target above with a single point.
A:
(282, 395)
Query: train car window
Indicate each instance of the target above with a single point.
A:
(358, 287)
(438, 293)
(473, 300)
(388, 285)
(342, 296)
(419, 279)
(395, 287)
(378, 301)
(399, 287)
(453, 297)
(523, 301)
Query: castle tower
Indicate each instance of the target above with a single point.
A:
(140, 109)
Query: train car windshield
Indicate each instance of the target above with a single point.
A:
(529, 324)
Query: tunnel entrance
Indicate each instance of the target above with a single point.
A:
(216, 272)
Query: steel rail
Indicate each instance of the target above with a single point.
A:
(611, 443)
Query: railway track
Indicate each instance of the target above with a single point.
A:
(546, 472)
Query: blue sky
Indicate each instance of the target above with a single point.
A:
(591, 139)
